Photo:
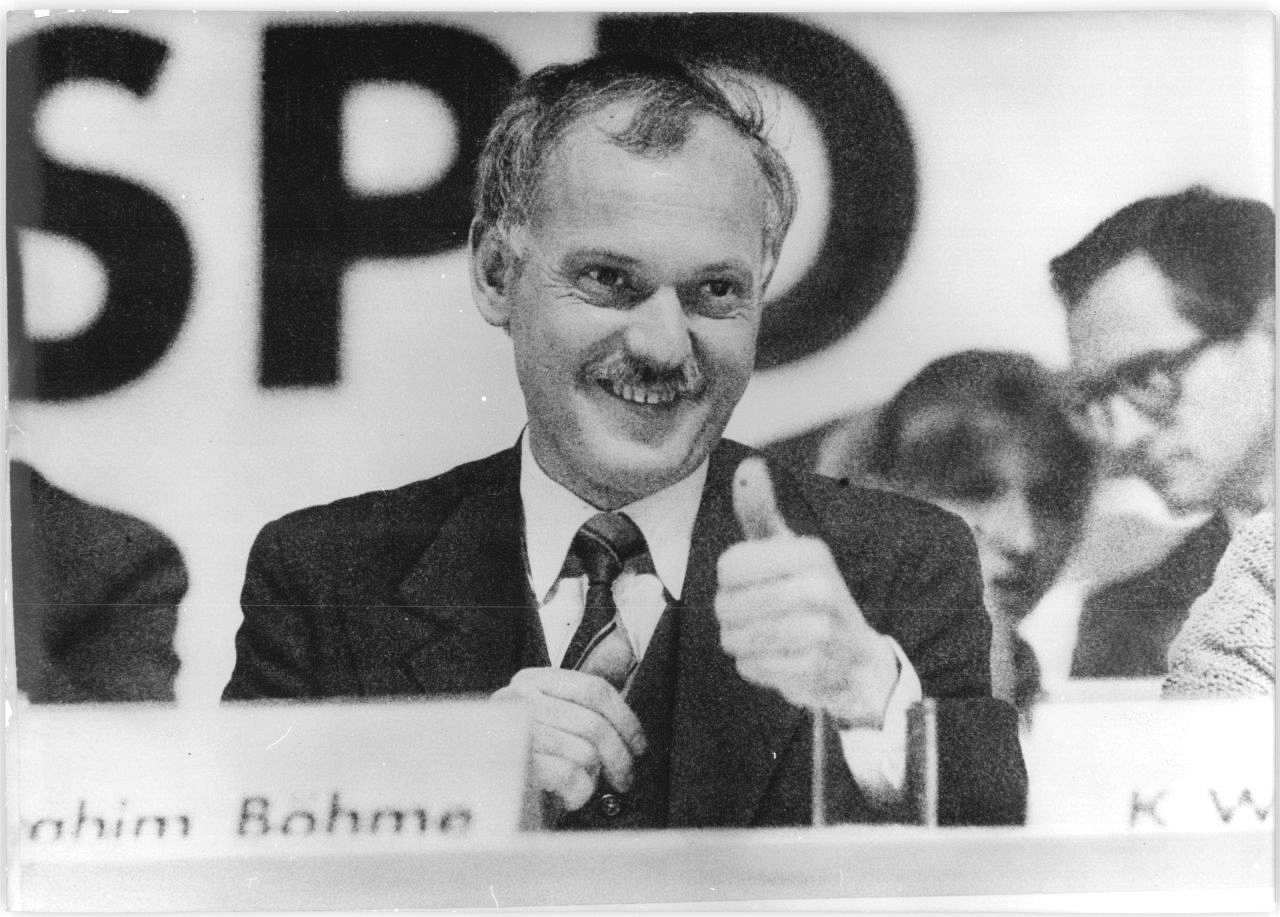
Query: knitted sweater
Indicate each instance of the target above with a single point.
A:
(1227, 645)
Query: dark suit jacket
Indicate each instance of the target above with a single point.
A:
(413, 591)
(1126, 628)
(95, 598)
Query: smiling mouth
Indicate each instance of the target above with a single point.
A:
(648, 395)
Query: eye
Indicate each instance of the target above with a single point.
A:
(610, 278)
(720, 288)
(1155, 381)
(720, 297)
(609, 286)
(1083, 392)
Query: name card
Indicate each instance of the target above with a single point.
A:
(1185, 765)
(100, 782)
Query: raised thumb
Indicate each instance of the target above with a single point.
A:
(754, 503)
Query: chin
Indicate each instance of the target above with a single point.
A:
(643, 451)
(1185, 486)
(637, 470)
(1183, 501)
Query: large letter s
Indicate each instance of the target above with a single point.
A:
(138, 238)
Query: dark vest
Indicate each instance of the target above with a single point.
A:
(652, 698)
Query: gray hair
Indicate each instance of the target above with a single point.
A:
(667, 95)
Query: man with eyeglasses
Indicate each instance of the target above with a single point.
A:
(1171, 305)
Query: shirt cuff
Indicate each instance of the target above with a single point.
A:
(877, 758)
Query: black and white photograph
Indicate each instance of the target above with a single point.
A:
(640, 459)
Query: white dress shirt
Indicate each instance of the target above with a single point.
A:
(552, 516)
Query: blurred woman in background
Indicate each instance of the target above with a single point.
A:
(984, 434)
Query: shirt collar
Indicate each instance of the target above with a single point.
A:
(553, 514)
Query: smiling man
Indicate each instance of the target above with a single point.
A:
(622, 570)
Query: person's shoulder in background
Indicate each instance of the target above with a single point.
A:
(384, 528)
(95, 598)
(898, 525)
(1227, 645)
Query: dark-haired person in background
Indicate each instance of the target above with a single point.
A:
(95, 598)
(666, 625)
(1171, 316)
(985, 435)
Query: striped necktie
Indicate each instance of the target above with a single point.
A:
(602, 548)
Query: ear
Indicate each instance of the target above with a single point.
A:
(1256, 347)
(494, 264)
(1259, 338)
(1264, 317)
(766, 275)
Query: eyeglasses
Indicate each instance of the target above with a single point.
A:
(1152, 383)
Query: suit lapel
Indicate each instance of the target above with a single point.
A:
(727, 735)
(458, 622)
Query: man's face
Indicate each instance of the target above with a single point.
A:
(634, 306)
(1198, 420)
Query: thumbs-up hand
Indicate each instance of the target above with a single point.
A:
(787, 618)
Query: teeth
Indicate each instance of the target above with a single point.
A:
(641, 395)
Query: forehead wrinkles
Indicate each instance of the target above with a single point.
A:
(711, 154)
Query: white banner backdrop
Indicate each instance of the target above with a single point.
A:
(1027, 130)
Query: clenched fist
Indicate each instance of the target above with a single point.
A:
(787, 618)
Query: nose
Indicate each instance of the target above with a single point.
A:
(1008, 525)
(1129, 428)
(658, 329)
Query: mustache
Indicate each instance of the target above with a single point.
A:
(619, 368)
